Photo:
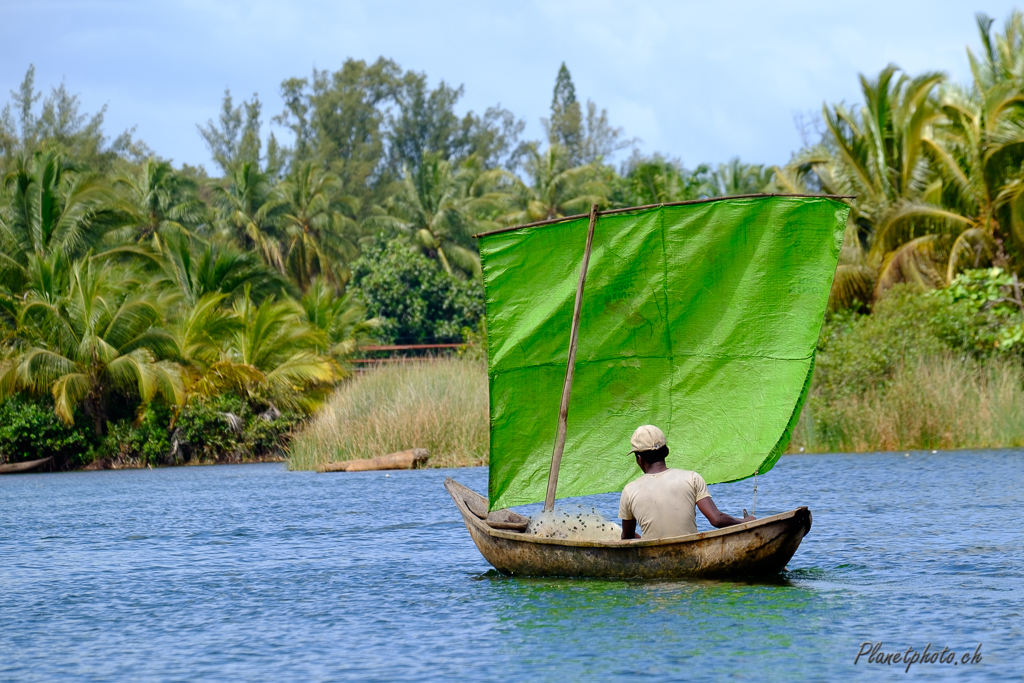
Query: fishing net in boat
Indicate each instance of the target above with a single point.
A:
(574, 523)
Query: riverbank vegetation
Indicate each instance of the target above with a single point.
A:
(439, 405)
(926, 370)
(160, 314)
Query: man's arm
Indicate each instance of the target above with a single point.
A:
(628, 529)
(717, 518)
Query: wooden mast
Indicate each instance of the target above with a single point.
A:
(563, 411)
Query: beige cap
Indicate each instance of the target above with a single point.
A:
(647, 438)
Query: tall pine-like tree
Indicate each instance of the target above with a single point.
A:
(565, 127)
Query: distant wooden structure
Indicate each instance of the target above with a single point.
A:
(402, 353)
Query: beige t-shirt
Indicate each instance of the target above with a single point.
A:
(663, 503)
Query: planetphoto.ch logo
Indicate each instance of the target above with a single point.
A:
(872, 653)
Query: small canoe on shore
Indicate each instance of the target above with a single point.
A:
(759, 548)
(27, 466)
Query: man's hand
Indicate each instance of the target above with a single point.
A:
(718, 518)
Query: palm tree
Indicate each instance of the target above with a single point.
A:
(52, 216)
(251, 212)
(102, 338)
(160, 203)
(282, 354)
(194, 269)
(978, 148)
(658, 181)
(429, 207)
(202, 330)
(736, 177)
(486, 194)
(878, 154)
(556, 188)
(341, 320)
(318, 236)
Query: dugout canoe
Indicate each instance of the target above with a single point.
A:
(754, 549)
(27, 466)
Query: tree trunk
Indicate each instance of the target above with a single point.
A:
(94, 409)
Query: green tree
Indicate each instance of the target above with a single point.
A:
(235, 138)
(425, 124)
(251, 213)
(338, 118)
(415, 300)
(60, 124)
(53, 215)
(319, 239)
(102, 338)
(159, 202)
(586, 139)
(565, 127)
(556, 187)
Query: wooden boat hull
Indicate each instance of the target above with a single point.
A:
(758, 548)
(20, 467)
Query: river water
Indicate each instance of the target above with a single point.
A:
(252, 572)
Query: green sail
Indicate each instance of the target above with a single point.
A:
(701, 319)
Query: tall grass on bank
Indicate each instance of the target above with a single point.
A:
(939, 402)
(439, 405)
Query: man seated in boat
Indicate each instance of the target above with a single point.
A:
(663, 500)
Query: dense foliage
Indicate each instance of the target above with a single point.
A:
(441, 306)
(927, 369)
(152, 313)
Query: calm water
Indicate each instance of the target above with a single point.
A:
(255, 573)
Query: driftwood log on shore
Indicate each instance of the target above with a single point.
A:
(411, 459)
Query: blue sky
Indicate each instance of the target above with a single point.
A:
(702, 81)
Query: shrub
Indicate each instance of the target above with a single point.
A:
(942, 401)
(417, 302)
(204, 429)
(271, 437)
(225, 429)
(145, 443)
(995, 298)
(857, 352)
(923, 370)
(29, 430)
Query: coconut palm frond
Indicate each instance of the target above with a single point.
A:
(910, 219)
(973, 248)
(918, 262)
(852, 284)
